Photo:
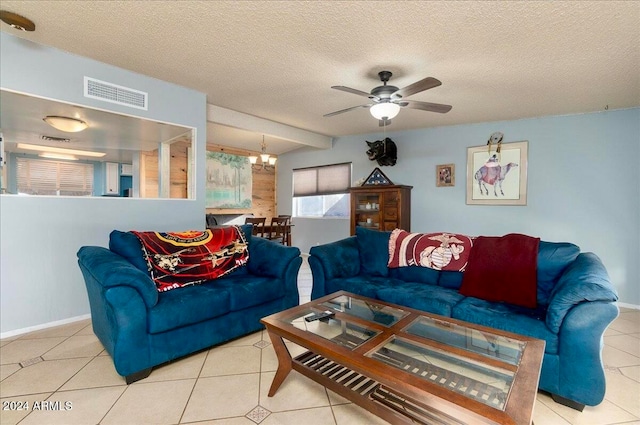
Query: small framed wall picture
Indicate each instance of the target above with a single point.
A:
(445, 175)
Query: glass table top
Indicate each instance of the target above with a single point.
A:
(367, 310)
(338, 331)
(481, 342)
(478, 381)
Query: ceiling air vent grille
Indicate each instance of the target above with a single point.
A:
(114, 93)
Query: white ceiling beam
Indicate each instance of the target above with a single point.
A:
(228, 117)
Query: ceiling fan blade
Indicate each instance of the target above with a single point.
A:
(346, 110)
(417, 87)
(426, 106)
(354, 91)
(384, 123)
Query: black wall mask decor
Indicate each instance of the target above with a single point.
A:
(383, 151)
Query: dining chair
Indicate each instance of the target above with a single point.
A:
(258, 226)
(288, 229)
(211, 220)
(279, 229)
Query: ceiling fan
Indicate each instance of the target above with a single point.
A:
(386, 100)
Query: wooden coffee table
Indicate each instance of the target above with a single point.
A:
(408, 366)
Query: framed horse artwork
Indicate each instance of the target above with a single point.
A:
(497, 175)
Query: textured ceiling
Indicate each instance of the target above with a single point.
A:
(277, 60)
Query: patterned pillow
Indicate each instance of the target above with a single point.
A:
(440, 251)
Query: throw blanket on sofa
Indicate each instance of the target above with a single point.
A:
(503, 269)
(179, 259)
(440, 251)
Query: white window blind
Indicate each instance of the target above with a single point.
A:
(323, 180)
(43, 177)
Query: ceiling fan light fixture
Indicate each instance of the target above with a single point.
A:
(66, 124)
(385, 110)
(16, 21)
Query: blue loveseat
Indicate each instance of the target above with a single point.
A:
(576, 303)
(141, 327)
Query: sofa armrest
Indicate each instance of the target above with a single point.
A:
(109, 270)
(582, 376)
(268, 258)
(333, 260)
(584, 280)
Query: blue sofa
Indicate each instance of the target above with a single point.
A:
(141, 328)
(576, 303)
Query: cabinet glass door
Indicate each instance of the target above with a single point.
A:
(367, 210)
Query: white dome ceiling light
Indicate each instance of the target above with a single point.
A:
(66, 124)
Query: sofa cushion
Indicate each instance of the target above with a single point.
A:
(430, 298)
(191, 304)
(553, 258)
(362, 285)
(249, 291)
(415, 274)
(373, 246)
(127, 245)
(510, 318)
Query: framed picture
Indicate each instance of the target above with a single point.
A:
(445, 175)
(229, 181)
(497, 178)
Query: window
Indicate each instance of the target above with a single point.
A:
(42, 177)
(322, 191)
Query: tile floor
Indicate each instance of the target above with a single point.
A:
(65, 376)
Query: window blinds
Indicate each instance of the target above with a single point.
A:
(324, 180)
(43, 177)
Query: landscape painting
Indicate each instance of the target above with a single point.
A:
(229, 183)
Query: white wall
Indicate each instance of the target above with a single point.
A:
(583, 185)
(40, 281)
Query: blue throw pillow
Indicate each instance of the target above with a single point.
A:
(373, 246)
(415, 274)
(127, 245)
(450, 279)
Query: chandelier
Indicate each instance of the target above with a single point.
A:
(267, 161)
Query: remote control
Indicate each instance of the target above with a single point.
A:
(318, 316)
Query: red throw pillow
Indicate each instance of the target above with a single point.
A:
(440, 251)
(503, 269)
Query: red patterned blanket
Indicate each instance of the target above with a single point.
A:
(178, 259)
(440, 251)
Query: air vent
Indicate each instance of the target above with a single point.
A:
(113, 93)
(55, 139)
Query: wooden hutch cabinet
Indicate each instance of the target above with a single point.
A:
(381, 207)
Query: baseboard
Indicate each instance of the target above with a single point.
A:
(16, 332)
(632, 306)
